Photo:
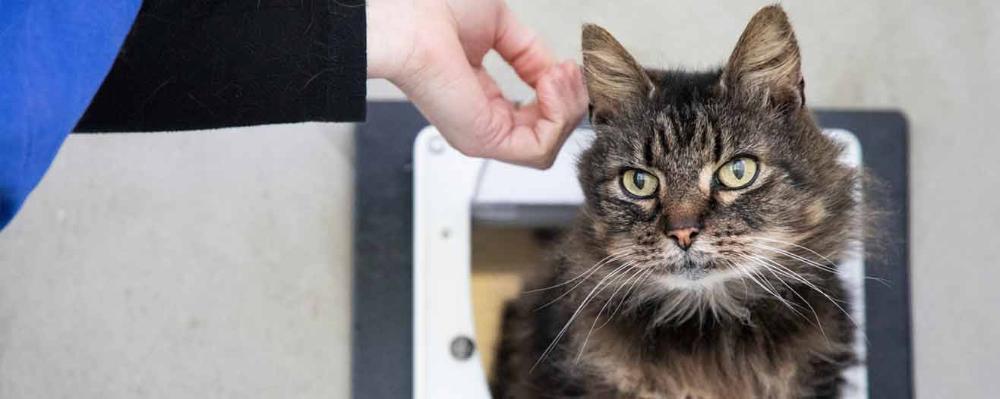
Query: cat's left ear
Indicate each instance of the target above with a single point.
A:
(766, 61)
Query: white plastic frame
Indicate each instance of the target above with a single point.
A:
(446, 185)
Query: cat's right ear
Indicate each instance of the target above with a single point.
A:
(615, 81)
(766, 63)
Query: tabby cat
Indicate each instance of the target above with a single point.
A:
(703, 262)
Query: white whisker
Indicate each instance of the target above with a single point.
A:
(593, 270)
(819, 324)
(610, 258)
(583, 303)
(642, 277)
(830, 268)
(600, 312)
(813, 286)
(757, 280)
(797, 246)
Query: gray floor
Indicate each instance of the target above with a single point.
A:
(217, 264)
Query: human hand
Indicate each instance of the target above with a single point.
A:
(433, 50)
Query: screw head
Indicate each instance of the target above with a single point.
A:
(437, 145)
(462, 347)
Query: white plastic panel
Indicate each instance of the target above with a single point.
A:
(444, 182)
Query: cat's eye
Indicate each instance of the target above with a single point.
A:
(738, 173)
(639, 183)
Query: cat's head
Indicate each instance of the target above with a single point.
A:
(713, 177)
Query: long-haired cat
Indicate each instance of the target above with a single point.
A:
(703, 264)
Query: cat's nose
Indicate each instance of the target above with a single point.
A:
(684, 236)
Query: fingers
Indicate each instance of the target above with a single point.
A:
(469, 110)
(522, 49)
(542, 127)
(459, 100)
(473, 116)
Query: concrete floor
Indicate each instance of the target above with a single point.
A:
(218, 264)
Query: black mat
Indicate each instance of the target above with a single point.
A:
(382, 356)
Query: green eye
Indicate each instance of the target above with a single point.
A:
(639, 183)
(738, 173)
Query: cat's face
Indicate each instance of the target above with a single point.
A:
(714, 177)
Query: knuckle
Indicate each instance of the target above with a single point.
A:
(549, 160)
(544, 159)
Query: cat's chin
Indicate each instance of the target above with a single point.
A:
(693, 272)
(696, 274)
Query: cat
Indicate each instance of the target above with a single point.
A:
(694, 269)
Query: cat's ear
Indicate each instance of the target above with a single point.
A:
(766, 62)
(615, 81)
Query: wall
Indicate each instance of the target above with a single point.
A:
(217, 264)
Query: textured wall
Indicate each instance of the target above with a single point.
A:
(217, 264)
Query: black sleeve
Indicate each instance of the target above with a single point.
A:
(215, 63)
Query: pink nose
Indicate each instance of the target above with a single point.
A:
(684, 237)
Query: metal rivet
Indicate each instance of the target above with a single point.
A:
(437, 145)
(462, 347)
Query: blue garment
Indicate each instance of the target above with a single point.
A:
(53, 56)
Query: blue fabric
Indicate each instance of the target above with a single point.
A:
(53, 56)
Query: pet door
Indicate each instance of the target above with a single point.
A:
(455, 197)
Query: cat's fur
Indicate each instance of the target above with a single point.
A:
(751, 310)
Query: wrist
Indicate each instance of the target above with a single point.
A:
(389, 37)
